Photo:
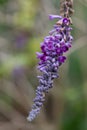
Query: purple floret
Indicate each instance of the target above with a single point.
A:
(50, 58)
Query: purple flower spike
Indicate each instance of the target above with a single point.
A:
(51, 57)
(52, 31)
(66, 21)
(61, 59)
(51, 17)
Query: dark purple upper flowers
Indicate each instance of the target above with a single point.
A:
(50, 58)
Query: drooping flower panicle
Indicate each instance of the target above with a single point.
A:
(51, 58)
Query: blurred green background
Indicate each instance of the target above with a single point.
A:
(23, 25)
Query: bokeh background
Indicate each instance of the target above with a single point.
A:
(23, 25)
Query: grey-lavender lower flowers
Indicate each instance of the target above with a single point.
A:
(51, 58)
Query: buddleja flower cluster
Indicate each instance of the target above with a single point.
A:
(51, 58)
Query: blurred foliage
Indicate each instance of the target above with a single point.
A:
(26, 15)
(75, 72)
(8, 66)
(2, 2)
(32, 48)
